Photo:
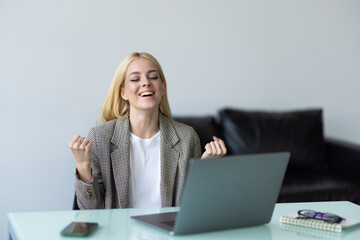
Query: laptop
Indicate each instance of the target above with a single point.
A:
(224, 193)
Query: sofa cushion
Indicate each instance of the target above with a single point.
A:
(206, 127)
(299, 132)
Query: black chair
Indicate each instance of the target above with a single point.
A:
(75, 205)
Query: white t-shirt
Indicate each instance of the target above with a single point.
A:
(144, 172)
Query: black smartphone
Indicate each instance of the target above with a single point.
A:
(79, 229)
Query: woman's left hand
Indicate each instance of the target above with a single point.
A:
(214, 148)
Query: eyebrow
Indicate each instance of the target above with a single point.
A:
(150, 71)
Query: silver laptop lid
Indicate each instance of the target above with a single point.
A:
(231, 192)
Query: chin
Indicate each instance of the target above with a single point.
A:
(148, 108)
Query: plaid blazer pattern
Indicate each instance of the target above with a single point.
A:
(110, 164)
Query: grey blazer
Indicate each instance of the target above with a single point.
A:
(110, 164)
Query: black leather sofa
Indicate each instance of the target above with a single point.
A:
(320, 169)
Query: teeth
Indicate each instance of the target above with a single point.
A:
(146, 94)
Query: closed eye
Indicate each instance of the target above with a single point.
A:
(154, 78)
(134, 80)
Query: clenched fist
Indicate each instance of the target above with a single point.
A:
(81, 148)
(214, 148)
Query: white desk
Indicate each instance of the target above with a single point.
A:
(116, 224)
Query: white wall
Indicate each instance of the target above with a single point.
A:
(58, 58)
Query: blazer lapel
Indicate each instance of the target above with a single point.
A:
(169, 160)
(120, 160)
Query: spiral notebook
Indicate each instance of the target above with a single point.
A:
(319, 224)
(311, 233)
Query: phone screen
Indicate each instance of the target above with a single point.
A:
(79, 228)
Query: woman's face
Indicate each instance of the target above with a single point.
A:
(143, 87)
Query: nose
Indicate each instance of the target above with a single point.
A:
(145, 82)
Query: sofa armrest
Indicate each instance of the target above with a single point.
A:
(343, 157)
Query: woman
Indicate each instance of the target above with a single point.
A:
(139, 157)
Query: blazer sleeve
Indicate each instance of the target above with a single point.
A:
(91, 195)
(197, 145)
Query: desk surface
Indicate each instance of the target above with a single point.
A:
(116, 224)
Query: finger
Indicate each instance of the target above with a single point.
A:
(86, 141)
(223, 147)
(218, 148)
(74, 140)
(208, 148)
(217, 139)
(213, 148)
(88, 146)
(83, 142)
(207, 151)
(77, 144)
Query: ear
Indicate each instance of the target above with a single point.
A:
(123, 94)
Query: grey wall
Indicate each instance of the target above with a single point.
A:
(58, 58)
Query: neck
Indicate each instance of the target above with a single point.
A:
(144, 124)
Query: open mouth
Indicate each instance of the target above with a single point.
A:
(147, 94)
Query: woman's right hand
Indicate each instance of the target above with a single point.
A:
(81, 148)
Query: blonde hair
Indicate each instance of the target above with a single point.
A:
(115, 106)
